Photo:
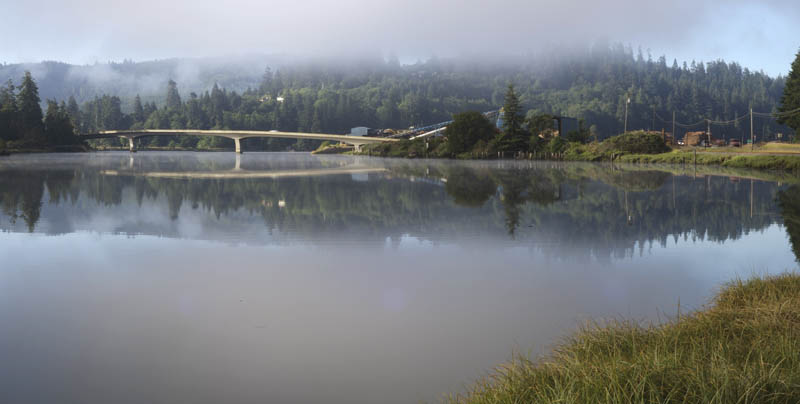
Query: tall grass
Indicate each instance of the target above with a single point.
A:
(744, 348)
(787, 163)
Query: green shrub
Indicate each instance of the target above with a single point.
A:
(556, 145)
(636, 143)
(467, 129)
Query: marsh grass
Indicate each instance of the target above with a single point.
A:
(787, 163)
(743, 348)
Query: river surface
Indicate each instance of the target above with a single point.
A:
(291, 278)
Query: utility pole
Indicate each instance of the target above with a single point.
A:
(752, 140)
(708, 131)
(674, 137)
(628, 101)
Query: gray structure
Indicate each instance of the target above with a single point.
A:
(359, 131)
(236, 135)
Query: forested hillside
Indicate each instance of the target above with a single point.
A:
(333, 97)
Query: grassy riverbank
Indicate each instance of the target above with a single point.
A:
(743, 348)
(634, 147)
(764, 162)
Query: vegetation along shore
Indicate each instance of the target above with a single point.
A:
(518, 133)
(633, 147)
(741, 349)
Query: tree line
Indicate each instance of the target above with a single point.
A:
(332, 98)
(23, 123)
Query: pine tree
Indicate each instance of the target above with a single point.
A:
(8, 113)
(790, 102)
(58, 125)
(8, 101)
(514, 138)
(30, 112)
(74, 112)
(173, 97)
(138, 110)
(266, 82)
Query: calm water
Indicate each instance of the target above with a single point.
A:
(289, 278)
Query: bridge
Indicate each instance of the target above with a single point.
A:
(236, 135)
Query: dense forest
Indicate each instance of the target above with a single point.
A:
(335, 96)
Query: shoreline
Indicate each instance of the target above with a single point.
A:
(743, 347)
(764, 161)
(769, 156)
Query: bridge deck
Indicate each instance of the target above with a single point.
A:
(236, 135)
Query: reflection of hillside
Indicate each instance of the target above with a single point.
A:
(593, 208)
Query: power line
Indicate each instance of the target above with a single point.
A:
(689, 125)
(785, 113)
(777, 114)
(773, 115)
(732, 121)
(683, 125)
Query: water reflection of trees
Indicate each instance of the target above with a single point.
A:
(789, 202)
(599, 210)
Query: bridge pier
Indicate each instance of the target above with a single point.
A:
(131, 146)
(238, 143)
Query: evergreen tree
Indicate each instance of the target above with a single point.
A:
(173, 97)
(30, 112)
(266, 82)
(790, 102)
(8, 113)
(8, 100)
(138, 110)
(111, 117)
(58, 125)
(149, 108)
(514, 138)
(74, 112)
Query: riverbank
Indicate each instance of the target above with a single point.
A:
(631, 148)
(743, 348)
(47, 149)
(737, 160)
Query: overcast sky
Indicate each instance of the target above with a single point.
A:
(760, 34)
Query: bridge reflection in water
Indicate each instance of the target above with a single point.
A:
(237, 172)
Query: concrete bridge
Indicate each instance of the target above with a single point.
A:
(236, 135)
